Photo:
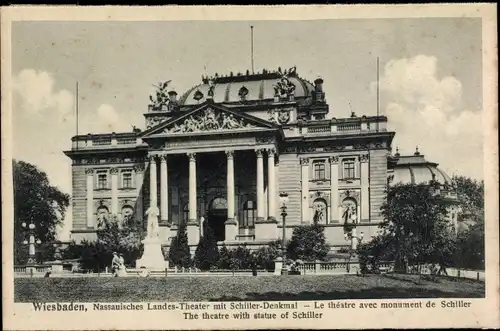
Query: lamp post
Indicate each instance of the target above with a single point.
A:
(30, 241)
(283, 207)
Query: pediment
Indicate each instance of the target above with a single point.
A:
(210, 118)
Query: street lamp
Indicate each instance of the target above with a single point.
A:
(283, 206)
(30, 241)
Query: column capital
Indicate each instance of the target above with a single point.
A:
(163, 158)
(152, 158)
(364, 158)
(191, 156)
(333, 159)
(271, 152)
(89, 171)
(304, 161)
(230, 154)
(139, 168)
(259, 152)
(113, 170)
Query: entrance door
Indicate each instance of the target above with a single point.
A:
(216, 218)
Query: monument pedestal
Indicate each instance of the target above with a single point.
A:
(152, 258)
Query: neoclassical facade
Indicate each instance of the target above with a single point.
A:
(220, 155)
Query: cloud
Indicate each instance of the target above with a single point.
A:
(427, 111)
(109, 120)
(36, 89)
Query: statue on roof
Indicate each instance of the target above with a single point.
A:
(284, 87)
(211, 87)
(162, 98)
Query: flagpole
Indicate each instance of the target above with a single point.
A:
(251, 38)
(378, 93)
(77, 114)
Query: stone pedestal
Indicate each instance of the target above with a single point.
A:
(56, 266)
(152, 258)
(231, 230)
(266, 229)
(278, 265)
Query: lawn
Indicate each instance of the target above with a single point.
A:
(235, 288)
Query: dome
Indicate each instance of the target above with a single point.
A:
(257, 87)
(416, 169)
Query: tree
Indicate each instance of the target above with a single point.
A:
(224, 258)
(207, 253)
(179, 253)
(266, 255)
(36, 201)
(308, 243)
(470, 194)
(415, 219)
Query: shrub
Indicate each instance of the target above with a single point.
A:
(308, 243)
(179, 254)
(224, 258)
(207, 254)
(371, 253)
(266, 255)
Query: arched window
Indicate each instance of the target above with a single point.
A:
(249, 213)
(102, 216)
(320, 211)
(349, 211)
(218, 204)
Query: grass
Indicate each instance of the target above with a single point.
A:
(236, 288)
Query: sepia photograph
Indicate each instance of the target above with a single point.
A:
(246, 164)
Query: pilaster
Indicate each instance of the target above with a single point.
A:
(90, 197)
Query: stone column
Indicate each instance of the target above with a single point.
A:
(334, 188)
(304, 162)
(231, 224)
(139, 180)
(163, 190)
(365, 187)
(153, 194)
(192, 224)
(90, 197)
(260, 185)
(271, 185)
(114, 191)
(264, 229)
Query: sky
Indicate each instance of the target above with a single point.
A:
(430, 77)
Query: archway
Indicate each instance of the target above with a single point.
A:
(216, 217)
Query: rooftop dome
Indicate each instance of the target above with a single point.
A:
(259, 87)
(416, 169)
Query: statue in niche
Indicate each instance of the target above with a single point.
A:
(349, 215)
(319, 212)
(152, 230)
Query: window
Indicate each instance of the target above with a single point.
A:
(249, 213)
(349, 172)
(127, 179)
(185, 213)
(319, 170)
(102, 180)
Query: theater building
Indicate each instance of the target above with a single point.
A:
(221, 154)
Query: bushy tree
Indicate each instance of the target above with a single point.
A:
(308, 243)
(37, 202)
(207, 254)
(266, 255)
(415, 217)
(224, 257)
(179, 253)
(97, 255)
(371, 253)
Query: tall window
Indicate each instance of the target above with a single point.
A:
(349, 172)
(127, 179)
(319, 170)
(185, 214)
(102, 180)
(249, 213)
